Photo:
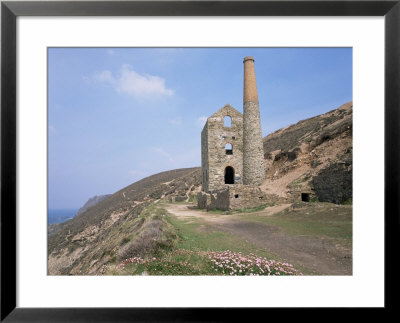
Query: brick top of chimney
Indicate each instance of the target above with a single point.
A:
(248, 58)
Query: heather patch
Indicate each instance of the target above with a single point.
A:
(184, 262)
(234, 263)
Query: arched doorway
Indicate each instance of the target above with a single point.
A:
(229, 175)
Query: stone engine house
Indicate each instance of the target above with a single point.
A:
(232, 156)
(222, 149)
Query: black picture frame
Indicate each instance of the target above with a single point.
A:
(10, 10)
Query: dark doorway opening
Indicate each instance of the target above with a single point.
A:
(229, 175)
(305, 197)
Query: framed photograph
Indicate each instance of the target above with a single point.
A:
(120, 103)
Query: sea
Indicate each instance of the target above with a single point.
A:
(60, 215)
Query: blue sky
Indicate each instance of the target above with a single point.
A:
(116, 115)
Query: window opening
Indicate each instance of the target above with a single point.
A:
(227, 121)
(228, 149)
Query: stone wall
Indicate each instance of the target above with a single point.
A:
(234, 197)
(334, 183)
(244, 197)
(204, 158)
(214, 159)
(203, 200)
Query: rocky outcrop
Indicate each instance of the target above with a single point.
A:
(312, 159)
(334, 183)
(92, 202)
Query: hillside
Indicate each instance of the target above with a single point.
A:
(313, 156)
(83, 237)
(91, 202)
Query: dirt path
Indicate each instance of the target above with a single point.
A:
(318, 255)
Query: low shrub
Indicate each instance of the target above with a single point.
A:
(348, 201)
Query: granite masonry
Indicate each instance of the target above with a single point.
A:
(232, 155)
(253, 151)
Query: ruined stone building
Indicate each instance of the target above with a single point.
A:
(232, 156)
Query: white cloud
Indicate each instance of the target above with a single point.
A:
(201, 121)
(105, 76)
(176, 121)
(133, 83)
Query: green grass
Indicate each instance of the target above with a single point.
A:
(244, 210)
(216, 211)
(196, 236)
(189, 256)
(177, 262)
(348, 201)
(316, 219)
(192, 199)
(253, 209)
(192, 239)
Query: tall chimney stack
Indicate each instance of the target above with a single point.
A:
(253, 151)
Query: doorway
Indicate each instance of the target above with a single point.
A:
(305, 197)
(229, 175)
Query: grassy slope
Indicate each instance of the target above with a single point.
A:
(124, 201)
(83, 244)
(189, 251)
(194, 240)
